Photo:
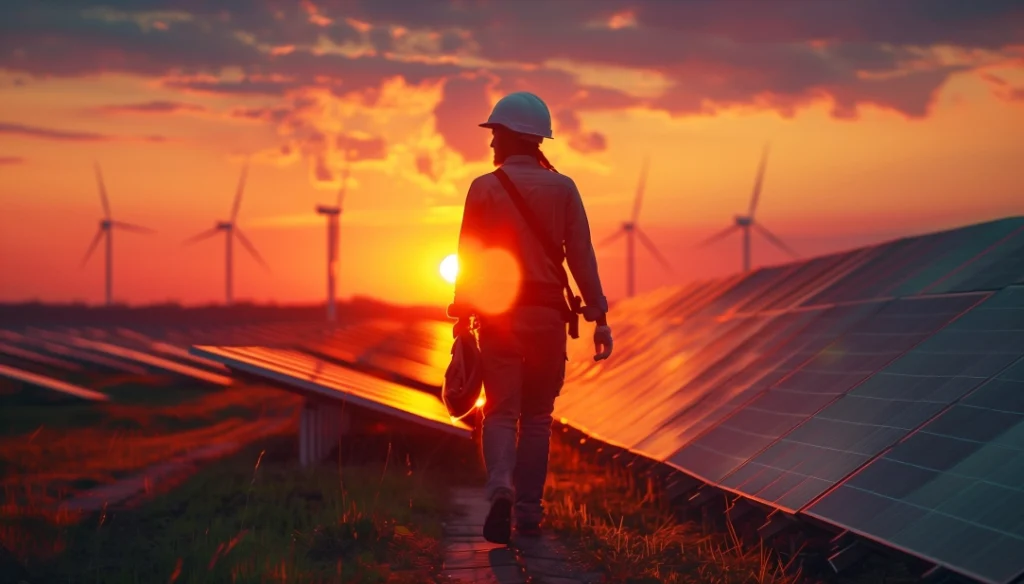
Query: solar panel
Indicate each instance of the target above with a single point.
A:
(863, 350)
(316, 377)
(751, 285)
(885, 407)
(819, 274)
(951, 492)
(798, 277)
(888, 259)
(146, 359)
(1000, 266)
(50, 383)
(953, 251)
(710, 390)
(646, 407)
(72, 354)
(29, 355)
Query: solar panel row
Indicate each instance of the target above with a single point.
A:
(806, 387)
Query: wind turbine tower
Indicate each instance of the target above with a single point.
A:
(333, 215)
(107, 226)
(746, 222)
(631, 229)
(231, 231)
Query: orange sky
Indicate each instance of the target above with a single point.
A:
(835, 179)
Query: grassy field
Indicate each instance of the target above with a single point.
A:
(372, 515)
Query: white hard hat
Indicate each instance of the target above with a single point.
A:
(523, 113)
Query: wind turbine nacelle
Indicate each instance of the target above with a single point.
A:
(743, 221)
(328, 210)
(224, 225)
(628, 226)
(106, 224)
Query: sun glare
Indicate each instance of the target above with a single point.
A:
(450, 268)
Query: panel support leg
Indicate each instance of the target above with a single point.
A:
(320, 426)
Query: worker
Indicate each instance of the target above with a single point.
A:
(523, 347)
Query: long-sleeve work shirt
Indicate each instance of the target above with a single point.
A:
(491, 220)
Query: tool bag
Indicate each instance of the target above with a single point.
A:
(463, 379)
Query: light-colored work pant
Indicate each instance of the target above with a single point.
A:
(523, 371)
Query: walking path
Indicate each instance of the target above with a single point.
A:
(470, 559)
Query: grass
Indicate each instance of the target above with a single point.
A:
(373, 515)
(256, 518)
(621, 524)
(625, 527)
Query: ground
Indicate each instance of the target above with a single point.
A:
(377, 512)
(371, 515)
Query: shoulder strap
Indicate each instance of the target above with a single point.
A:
(554, 253)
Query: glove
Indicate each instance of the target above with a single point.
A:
(602, 342)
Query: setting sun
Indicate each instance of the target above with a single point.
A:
(450, 268)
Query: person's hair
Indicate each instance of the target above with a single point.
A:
(515, 144)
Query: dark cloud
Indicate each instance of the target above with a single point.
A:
(151, 107)
(321, 172)
(9, 160)
(51, 134)
(464, 104)
(68, 135)
(588, 142)
(425, 166)
(782, 55)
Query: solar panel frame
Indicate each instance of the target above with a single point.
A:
(977, 441)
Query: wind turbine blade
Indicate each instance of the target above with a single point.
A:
(131, 227)
(654, 250)
(238, 193)
(343, 189)
(720, 235)
(201, 236)
(775, 240)
(613, 237)
(103, 191)
(759, 180)
(250, 248)
(639, 198)
(92, 246)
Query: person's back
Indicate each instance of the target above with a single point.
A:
(520, 308)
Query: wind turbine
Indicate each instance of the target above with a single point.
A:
(107, 226)
(231, 231)
(630, 229)
(333, 215)
(745, 222)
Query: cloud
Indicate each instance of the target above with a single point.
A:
(68, 135)
(151, 107)
(465, 104)
(10, 160)
(319, 69)
(357, 147)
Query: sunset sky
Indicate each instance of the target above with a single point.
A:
(886, 119)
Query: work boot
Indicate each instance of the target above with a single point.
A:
(498, 525)
(528, 529)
